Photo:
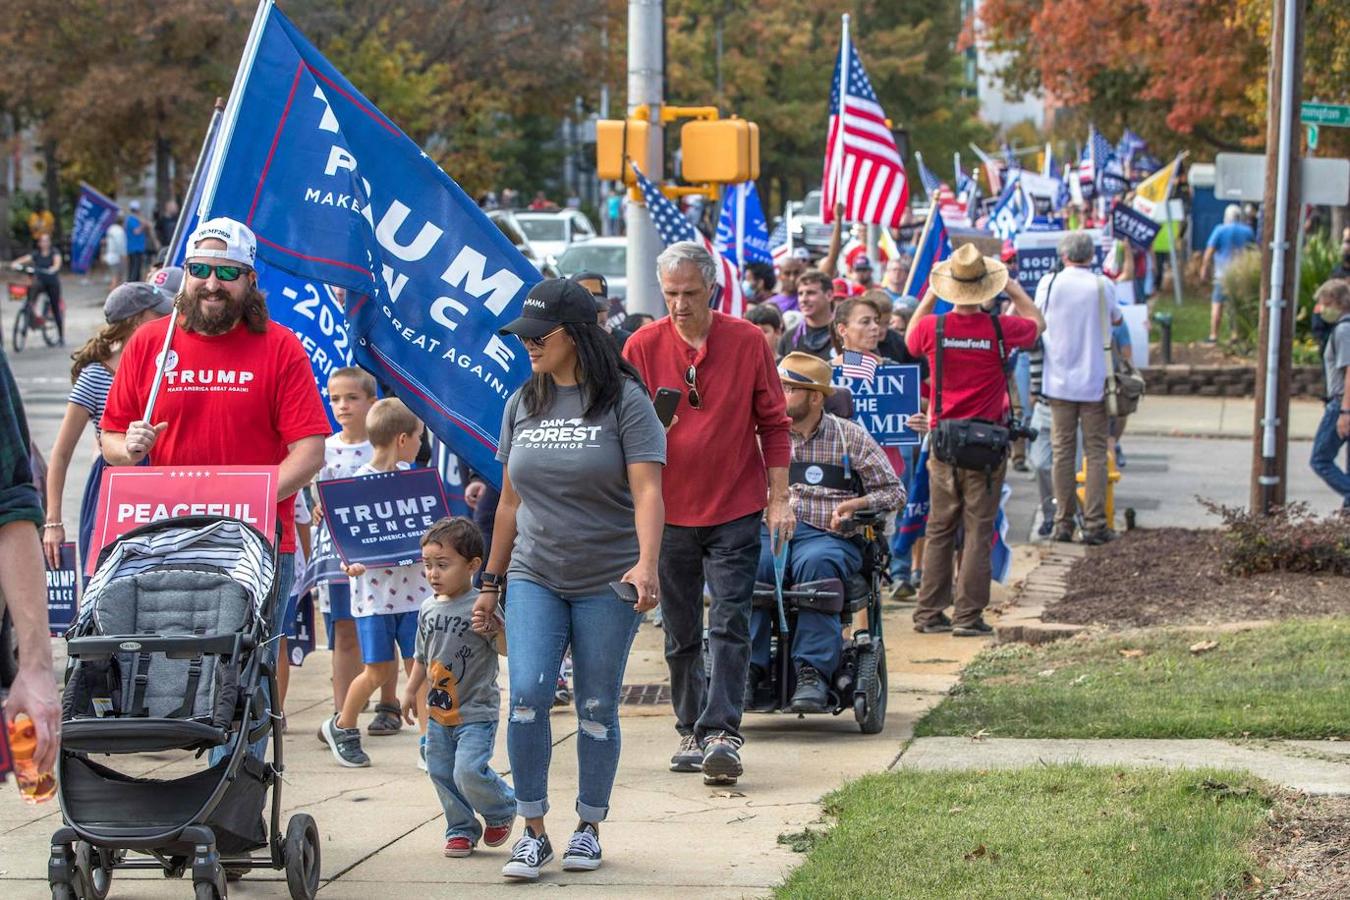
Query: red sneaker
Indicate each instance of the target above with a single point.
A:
(496, 835)
(458, 846)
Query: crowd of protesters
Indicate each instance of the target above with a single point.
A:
(681, 538)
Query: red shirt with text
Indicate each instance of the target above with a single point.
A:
(974, 385)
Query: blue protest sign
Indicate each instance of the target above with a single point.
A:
(62, 591)
(323, 564)
(300, 631)
(1133, 226)
(742, 233)
(1038, 255)
(337, 194)
(93, 214)
(379, 520)
(884, 404)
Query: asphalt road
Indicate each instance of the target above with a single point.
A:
(1161, 481)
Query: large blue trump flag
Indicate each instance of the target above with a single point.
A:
(338, 195)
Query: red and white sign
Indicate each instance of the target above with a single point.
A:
(132, 496)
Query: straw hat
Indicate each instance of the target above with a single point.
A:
(806, 371)
(968, 278)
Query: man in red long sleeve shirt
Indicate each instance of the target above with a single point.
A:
(727, 459)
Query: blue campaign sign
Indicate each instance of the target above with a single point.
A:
(62, 591)
(312, 311)
(1038, 255)
(379, 520)
(884, 404)
(337, 194)
(300, 631)
(1133, 226)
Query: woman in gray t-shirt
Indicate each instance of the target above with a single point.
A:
(580, 509)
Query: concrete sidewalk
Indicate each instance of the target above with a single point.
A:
(668, 834)
(1314, 767)
(1216, 417)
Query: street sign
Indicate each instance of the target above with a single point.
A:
(1334, 114)
(1242, 176)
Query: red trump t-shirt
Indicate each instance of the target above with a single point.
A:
(238, 398)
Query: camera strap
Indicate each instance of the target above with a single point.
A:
(937, 364)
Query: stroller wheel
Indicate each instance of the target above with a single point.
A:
(205, 890)
(63, 892)
(301, 853)
(93, 866)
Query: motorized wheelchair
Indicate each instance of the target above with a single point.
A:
(860, 681)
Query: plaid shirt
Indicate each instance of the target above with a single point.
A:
(815, 504)
(19, 501)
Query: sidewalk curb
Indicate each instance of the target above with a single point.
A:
(1021, 620)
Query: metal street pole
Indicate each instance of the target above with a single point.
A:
(1281, 203)
(646, 65)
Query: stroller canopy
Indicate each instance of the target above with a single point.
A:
(227, 544)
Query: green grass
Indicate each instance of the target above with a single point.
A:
(1048, 832)
(1190, 320)
(1286, 680)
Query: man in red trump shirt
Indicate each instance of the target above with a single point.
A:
(727, 460)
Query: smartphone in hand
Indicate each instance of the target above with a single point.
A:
(666, 401)
(626, 592)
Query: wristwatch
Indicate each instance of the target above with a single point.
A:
(490, 580)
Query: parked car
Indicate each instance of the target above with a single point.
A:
(551, 233)
(606, 255)
(510, 226)
(808, 229)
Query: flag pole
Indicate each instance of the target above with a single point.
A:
(215, 132)
(839, 139)
(184, 214)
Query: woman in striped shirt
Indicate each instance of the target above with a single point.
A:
(127, 308)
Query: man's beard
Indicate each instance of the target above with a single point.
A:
(197, 319)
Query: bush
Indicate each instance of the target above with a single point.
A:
(1292, 539)
(1242, 282)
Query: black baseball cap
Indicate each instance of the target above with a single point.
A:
(550, 303)
(597, 285)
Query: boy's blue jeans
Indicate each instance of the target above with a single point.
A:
(459, 761)
(540, 624)
(1326, 449)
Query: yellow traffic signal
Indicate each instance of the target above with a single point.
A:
(725, 151)
(615, 139)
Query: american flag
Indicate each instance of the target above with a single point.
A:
(930, 182)
(1099, 149)
(863, 169)
(858, 365)
(674, 227)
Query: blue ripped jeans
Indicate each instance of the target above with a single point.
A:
(539, 626)
(459, 761)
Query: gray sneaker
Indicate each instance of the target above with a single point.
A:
(345, 744)
(689, 758)
(721, 759)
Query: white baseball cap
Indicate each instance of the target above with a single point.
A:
(240, 244)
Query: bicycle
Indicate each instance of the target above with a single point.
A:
(27, 317)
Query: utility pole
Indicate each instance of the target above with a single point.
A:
(1279, 294)
(646, 72)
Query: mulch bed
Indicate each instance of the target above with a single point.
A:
(1174, 576)
(1310, 846)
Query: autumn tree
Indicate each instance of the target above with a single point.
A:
(777, 59)
(1175, 72)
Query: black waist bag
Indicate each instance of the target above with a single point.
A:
(971, 444)
(977, 444)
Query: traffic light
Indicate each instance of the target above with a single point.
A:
(615, 139)
(725, 151)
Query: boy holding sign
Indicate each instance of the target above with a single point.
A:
(385, 600)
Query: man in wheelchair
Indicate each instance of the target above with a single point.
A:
(837, 470)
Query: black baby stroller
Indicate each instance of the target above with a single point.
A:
(168, 654)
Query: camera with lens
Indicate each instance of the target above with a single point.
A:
(1018, 430)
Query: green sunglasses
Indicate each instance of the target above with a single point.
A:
(224, 273)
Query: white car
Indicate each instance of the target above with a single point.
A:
(607, 256)
(551, 233)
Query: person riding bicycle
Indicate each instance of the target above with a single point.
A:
(46, 261)
(837, 469)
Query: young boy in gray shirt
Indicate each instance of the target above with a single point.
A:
(457, 668)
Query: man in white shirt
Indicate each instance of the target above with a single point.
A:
(1072, 301)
